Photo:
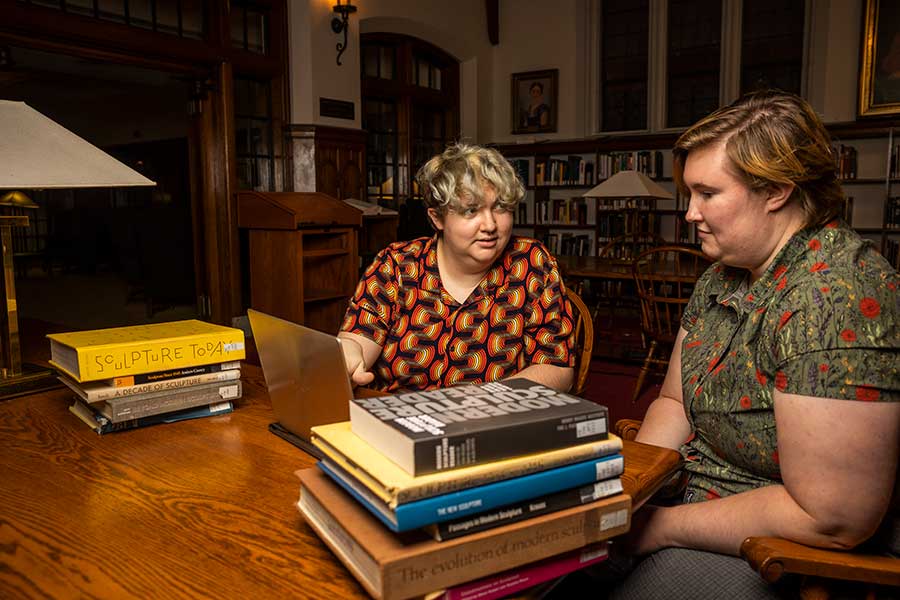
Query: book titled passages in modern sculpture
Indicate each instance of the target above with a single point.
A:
(437, 430)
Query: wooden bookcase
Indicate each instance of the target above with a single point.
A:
(304, 261)
(870, 183)
(556, 174)
(870, 174)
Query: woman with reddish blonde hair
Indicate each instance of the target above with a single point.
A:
(782, 388)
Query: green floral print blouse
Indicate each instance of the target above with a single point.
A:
(821, 321)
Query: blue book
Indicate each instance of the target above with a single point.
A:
(470, 501)
(101, 424)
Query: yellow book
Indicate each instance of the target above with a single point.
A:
(395, 486)
(106, 353)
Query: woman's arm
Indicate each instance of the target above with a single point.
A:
(838, 462)
(360, 353)
(558, 378)
(665, 423)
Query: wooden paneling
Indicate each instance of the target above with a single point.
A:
(220, 250)
(304, 256)
(339, 159)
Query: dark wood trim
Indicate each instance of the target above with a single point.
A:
(650, 141)
(862, 129)
(492, 8)
(35, 26)
(663, 141)
(219, 180)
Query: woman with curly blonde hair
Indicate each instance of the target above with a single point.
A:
(471, 304)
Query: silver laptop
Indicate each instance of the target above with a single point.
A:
(306, 376)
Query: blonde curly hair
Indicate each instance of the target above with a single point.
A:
(450, 180)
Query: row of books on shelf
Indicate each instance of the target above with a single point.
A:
(892, 252)
(648, 162)
(129, 377)
(566, 243)
(473, 491)
(561, 211)
(892, 213)
(583, 170)
(574, 211)
(619, 204)
(847, 161)
(571, 170)
(610, 225)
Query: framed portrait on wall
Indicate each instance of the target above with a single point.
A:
(879, 72)
(534, 98)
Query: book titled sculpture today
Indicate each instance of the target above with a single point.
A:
(437, 430)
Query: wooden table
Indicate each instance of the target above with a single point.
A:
(598, 267)
(202, 508)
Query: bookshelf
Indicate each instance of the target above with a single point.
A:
(556, 174)
(869, 170)
(552, 211)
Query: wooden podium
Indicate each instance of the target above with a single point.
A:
(304, 261)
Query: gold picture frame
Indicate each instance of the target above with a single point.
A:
(879, 72)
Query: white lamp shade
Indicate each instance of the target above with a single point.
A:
(38, 153)
(628, 184)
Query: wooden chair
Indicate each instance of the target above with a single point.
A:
(664, 278)
(584, 341)
(614, 295)
(774, 558)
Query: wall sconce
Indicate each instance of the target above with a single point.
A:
(342, 24)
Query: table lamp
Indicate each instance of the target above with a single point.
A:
(38, 153)
(628, 184)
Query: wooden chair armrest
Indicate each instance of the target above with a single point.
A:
(627, 428)
(772, 557)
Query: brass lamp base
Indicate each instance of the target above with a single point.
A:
(32, 379)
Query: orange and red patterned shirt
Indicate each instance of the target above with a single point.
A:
(822, 321)
(518, 315)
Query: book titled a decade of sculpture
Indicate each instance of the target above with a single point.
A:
(431, 431)
(137, 349)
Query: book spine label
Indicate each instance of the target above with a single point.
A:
(420, 574)
(511, 513)
(437, 430)
(132, 380)
(476, 500)
(424, 566)
(452, 452)
(102, 424)
(503, 584)
(136, 407)
(104, 362)
(110, 392)
(539, 463)
(217, 408)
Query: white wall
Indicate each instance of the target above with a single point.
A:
(834, 58)
(534, 35)
(314, 70)
(460, 29)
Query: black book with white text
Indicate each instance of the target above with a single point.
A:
(437, 430)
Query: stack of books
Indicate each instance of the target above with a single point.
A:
(128, 377)
(479, 487)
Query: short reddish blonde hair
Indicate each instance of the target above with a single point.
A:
(772, 137)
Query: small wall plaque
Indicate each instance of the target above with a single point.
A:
(338, 109)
